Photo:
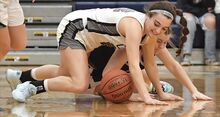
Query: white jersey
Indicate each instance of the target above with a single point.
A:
(98, 26)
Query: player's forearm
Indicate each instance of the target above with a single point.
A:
(139, 82)
(182, 76)
(153, 74)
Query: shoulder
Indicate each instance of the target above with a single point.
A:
(129, 24)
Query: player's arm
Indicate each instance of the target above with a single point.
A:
(150, 64)
(133, 35)
(117, 60)
(176, 69)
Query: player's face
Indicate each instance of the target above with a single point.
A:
(157, 24)
(161, 42)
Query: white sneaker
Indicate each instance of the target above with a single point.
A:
(23, 91)
(167, 88)
(13, 77)
(186, 60)
(212, 62)
(21, 110)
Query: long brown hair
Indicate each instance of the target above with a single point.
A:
(161, 5)
(171, 8)
(184, 31)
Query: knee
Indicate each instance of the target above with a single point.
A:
(79, 86)
(82, 88)
(210, 22)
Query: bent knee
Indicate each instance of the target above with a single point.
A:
(209, 21)
(79, 88)
(82, 89)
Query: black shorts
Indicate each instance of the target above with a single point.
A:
(98, 60)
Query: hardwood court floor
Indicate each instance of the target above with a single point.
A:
(207, 80)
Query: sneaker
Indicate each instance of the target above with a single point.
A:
(13, 78)
(23, 91)
(186, 60)
(167, 88)
(186, 63)
(212, 62)
(21, 110)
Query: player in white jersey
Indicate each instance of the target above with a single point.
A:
(81, 31)
(96, 26)
(12, 28)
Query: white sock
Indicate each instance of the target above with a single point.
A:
(33, 73)
(46, 85)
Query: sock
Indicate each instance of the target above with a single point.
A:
(33, 73)
(40, 86)
(46, 85)
(26, 76)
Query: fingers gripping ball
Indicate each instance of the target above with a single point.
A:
(116, 86)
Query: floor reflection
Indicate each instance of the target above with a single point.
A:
(206, 79)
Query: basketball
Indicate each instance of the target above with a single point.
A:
(116, 86)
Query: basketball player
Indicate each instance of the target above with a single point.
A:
(12, 27)
(98, 62)
(81, 31)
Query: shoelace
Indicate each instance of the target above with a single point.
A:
(27, 90)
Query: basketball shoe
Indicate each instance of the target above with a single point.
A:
(23, 91)
(167, 88)
(13, 78)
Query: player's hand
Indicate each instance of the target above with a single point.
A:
(170, 97)
(135, 97)
(151, 101)
(33, 1)
(199, 96)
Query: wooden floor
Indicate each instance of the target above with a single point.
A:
(54, 104)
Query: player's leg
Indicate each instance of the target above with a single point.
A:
(4, 34)
(17, 37)
(17, 29)
(77, 82)
(78, 79)
(4, 41)
(15, 77)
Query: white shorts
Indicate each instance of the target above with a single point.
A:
(11, 13)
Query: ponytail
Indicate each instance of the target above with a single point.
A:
(184, 31)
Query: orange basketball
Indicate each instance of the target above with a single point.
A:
(116, 86)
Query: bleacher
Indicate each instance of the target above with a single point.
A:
(43, 17)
